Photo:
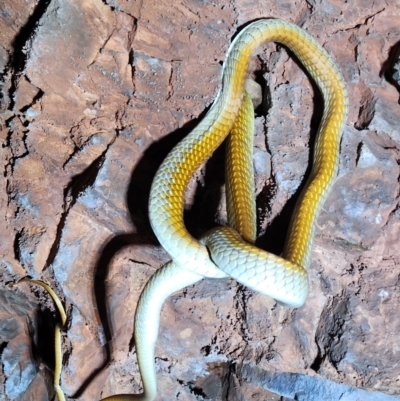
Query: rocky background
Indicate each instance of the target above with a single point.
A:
(93, 96)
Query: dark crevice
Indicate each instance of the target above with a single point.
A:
(227, 380)
(262, 109)
(17, 251)
(170, 83)
(197, 391)
(318, 361)
(359, 25)
(263, 204)
(15, 151)
(112, 7)
(391, 67)
(359, 149)
(75, 152)
(78, 147)
(34, 100)
(332, 346)
(131, 58)
(206, 350)
(138, 262)
(20, 45)
(43, 345)
(133, 69)
(115, 7)
(24, 35)
(3, 346)
(8, 122)
(76, 187)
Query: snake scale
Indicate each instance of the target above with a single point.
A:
(229, 251)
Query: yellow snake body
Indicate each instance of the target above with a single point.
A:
(169, 185)
(239, 173)
(223, 251)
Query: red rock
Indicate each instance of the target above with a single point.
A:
(93, 96)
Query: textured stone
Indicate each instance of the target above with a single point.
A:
(93, 95)
(307, 388)
(18, 365)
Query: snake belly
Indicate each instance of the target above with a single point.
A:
(223, 251)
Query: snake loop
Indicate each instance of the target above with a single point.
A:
(223, 251)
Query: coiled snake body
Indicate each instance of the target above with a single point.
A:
(223, 251)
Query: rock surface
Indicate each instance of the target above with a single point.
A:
(93, 96)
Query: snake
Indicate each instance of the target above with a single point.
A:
(229, 251)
